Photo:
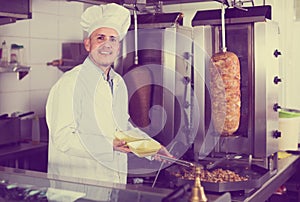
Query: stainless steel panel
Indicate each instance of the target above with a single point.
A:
(167, 55)
(266, 91)
(202, 50)
(177, 65)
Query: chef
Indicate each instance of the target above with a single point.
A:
(89, 104)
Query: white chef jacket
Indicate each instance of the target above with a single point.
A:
(83, 112)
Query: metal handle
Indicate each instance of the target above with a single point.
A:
(25, 114)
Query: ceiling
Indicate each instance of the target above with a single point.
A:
(147, 2)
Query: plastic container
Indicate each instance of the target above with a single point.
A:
(36, 130)
(17, 54)
(289, 125)
(288, 114)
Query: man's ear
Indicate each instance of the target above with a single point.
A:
(87, 44)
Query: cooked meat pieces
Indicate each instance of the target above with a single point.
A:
(217, 175)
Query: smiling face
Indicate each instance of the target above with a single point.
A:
(103, 46)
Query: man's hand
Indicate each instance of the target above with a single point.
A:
(163, 152)
(120, 145)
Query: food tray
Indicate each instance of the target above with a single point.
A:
(257, 176)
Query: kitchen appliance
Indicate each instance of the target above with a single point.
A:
(254, 38)
(165, 67)
(10, 128)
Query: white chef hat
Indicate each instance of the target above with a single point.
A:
(109, 15)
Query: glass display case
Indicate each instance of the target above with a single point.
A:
(24, 185)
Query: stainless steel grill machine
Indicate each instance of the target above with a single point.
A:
(253, 36)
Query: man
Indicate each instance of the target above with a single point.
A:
(89, 104)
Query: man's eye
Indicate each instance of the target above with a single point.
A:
(113, 39)
(102, 38)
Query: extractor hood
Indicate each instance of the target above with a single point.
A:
(13, 10)
(158, 20)
(233, 16)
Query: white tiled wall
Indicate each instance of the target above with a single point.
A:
(52, 23)
(57, 21)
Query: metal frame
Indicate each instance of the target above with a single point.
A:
(258, 141)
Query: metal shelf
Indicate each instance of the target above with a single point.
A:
(11, 11)
(20, 69)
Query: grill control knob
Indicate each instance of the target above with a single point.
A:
(276, 106)
(277, 80)
(276, 134)
(277, 53)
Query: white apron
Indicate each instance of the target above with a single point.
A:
(83, 112)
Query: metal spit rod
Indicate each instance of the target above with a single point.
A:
(135, 36)
(224, 49)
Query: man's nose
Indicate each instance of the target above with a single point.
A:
(107, 43)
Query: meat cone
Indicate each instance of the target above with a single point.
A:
(225, 92)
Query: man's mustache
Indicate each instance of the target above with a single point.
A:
(104, 50)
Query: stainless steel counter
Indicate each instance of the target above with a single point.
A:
(25, 156)
(14, 151)
(286, 168)
(90, 188)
